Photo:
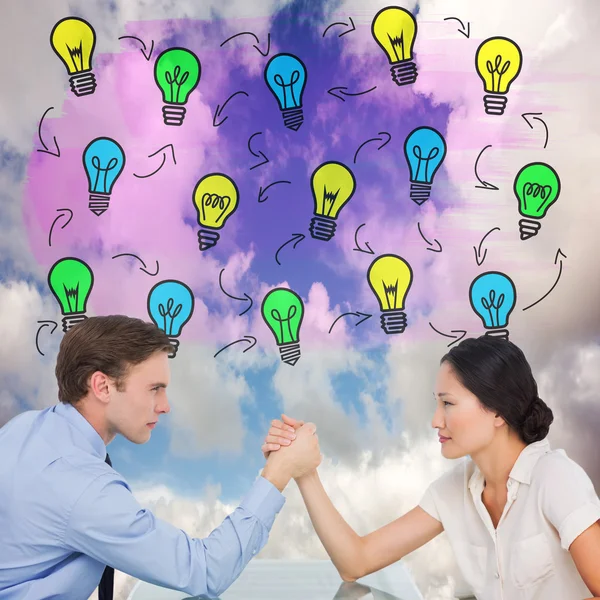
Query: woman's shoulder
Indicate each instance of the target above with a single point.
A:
(556, 465)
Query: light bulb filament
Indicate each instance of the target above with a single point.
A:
(174, 80)
(164, 313)
(498, 69)
(288, 86)
(112, 163)
(491, 304)
(276, 316)
(397, 42)
(212, 201)
(424, 159)
(76, 52)
(72, 294)
(329, 199)
(391, 291)
(533, 190)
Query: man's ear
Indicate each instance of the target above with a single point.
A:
(99, 385)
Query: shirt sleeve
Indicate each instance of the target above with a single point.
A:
(109, 525)
(427, 502)
(568, 498)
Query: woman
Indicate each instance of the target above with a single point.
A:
(521, 518)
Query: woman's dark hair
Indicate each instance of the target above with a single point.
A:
(497, 372)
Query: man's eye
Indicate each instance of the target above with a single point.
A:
(155, 389)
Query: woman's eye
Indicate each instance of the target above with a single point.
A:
(448, 403)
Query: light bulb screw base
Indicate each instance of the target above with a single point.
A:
(174, 347)
(322, 228)
(98, 204)
(293, 118)
(290, 353)
(83, 84)
(419, 192)
(404, 73)
(494, 104)
(393, 321)
(70, 321)
(528, 228)
(501, 334)
(207, 239)
(173, 114)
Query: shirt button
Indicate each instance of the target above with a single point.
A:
(497, 575)
(253, 552)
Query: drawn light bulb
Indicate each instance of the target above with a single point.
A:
(71, 281)
(177, 73)
(74, 40)
(216, 199)
(103, 161)
(424, 149)
(170, 306)
(333, 185)
(285, 75)
(395, 30)
(537, 187)
(390, 278)
(283, 311)
(493, 297)
(498, 62)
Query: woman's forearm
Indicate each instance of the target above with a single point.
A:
(342, 543)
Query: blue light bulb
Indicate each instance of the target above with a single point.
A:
(285, 74)
(103, 160)
(425, 149)
(170, 306)
(493, 297)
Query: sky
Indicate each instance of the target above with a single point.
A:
(370, 394)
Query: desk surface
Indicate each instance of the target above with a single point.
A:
(277, 579)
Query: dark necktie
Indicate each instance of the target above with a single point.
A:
(105, 589)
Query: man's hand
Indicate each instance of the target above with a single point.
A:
(281, 433)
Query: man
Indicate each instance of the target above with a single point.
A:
(66, 516)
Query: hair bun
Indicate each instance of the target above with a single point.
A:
(536, 421)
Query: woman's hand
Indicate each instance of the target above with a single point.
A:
(281, 433)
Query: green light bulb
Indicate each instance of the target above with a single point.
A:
(177, 73)
(283, 310)
(537, 187)
(71, 281)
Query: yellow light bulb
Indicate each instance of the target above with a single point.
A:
(74, 40)
(395, 30)
(215, 198)
(390, 278)
(498, 62)
(333, 185)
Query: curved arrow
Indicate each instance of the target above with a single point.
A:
(462, 333)
(235, 297)
(164, 158)
(356, 314)
(255, 45)
(478, 250)
(555, 283)
(358, 248)
(46, 150)
(344, 93)
(432, 249)
(220, 109)
(266, 160)
(297, 238)
(374, 140)
(353, 28)
(246, 338)
(525, 115)
(143, 51)
(484, 184)
(44, 323)
(262, 191)
(466, 33)
(62, 214)
(144, 269)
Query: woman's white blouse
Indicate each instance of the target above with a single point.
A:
(551, 500)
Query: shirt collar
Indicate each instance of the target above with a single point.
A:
(523, 466)
(75, 418)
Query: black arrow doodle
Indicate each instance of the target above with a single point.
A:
(356, 314)
(352, 27)
(297, 238)
(44, 323)
(255, 45)
(377, 139)
(260, 153)
(428, 242)
(478, 250)
(466, 32)
(245, 299)
(164, 159)
(62, 212)
(220, 109)
(340, 90)
(560, 252)
(461, 334)
(358, 248)
(484, 184)
(143, 48)
(144, 269)
(47, 150)
(246, 338)
(263, 190)
(525, 115)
